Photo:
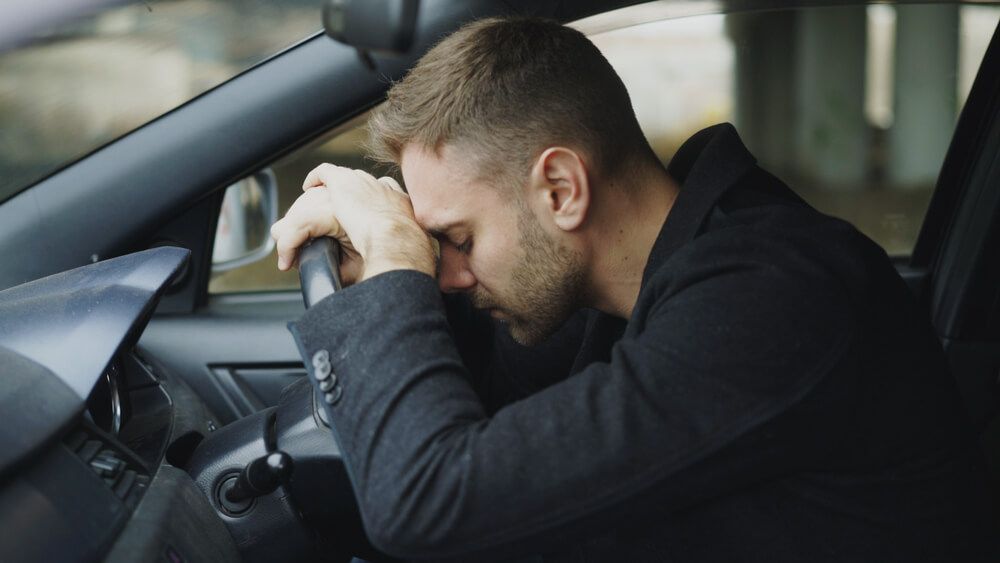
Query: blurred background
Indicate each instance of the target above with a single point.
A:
(852, 106)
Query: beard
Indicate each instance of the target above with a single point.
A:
(546, 287)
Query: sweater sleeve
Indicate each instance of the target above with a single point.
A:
(500, 370)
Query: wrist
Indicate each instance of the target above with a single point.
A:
(402, 253)
(383, 267)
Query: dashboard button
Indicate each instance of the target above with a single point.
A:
(107, 465)
(124, 485)
(89, 450)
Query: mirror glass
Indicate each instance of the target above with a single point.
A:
(243, 232)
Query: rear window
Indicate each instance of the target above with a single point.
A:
(853, 106)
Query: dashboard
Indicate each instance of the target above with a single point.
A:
(93, 431)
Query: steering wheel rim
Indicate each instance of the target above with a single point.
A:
(319, 269)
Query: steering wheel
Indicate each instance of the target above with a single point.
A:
(319, 269)
(279, 515)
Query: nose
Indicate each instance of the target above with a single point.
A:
(453, 271)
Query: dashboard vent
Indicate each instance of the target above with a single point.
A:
(122, 473)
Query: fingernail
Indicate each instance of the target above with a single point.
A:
(281, 264)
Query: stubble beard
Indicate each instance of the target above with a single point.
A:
(546, 287)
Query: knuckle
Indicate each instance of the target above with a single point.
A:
(391, 183)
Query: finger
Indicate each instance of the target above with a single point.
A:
(436, 245)
(392, 183)
(312, 178)
(322, 175)
(364, 174)
(288, 245)
(276, 229)
(387, 181)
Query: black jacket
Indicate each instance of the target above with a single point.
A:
(776, 396)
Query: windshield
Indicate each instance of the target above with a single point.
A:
(79, 86)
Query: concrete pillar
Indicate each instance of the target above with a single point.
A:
(925, 91)
(832, 136)
(764, 85)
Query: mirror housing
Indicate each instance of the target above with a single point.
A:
(379, 26)
(243, 234)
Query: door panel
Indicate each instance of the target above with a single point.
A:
(236, 352)
(251, 388)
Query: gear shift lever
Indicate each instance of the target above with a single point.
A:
(260, 477)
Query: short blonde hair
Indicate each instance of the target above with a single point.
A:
(506, 89)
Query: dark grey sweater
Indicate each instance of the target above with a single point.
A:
(776, 396)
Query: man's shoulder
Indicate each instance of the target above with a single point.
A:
(765, 231)
(763, 205)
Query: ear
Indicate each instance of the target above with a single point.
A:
(560, 184)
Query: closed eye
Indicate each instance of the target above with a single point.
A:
(442, 236)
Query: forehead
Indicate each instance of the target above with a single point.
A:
(443, 187)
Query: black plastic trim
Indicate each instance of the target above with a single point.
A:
(217, 336)
(174, 522)
(963, 259)
(967, 145)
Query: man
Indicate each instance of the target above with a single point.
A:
(682, 364)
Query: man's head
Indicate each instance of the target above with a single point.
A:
(502, 132)
(505, 89)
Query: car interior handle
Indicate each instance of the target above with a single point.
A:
(319, 269)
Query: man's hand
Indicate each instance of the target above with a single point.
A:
(371, 218)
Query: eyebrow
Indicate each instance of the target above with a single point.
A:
(442, 229)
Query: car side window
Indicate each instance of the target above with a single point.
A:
(344, 148)
(854, 107)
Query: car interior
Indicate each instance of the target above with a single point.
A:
(148, 417)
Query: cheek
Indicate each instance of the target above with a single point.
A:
(496, 252)
(493, 262)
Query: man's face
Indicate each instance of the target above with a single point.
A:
(493, 245)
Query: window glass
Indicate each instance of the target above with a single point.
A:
(343, 149)
(853, 106)
(79, 86)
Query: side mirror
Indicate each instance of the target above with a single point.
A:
(380, 26)
(243, 234)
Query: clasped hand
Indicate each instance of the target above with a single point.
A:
(371, 218)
